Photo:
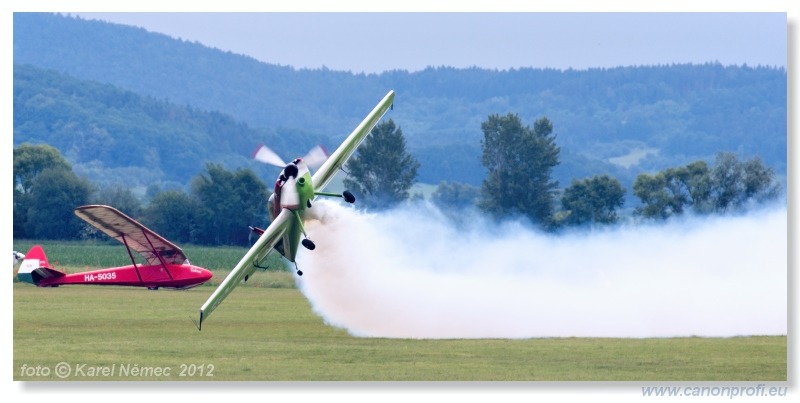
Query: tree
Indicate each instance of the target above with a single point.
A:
(455, 194)
(737, 184)
(172, 213)
(520, 161)
(656, 200)
(592, 200)
(672, 191)
(693, 184)
(55, 193)
(759, 182)
(382, 171)
(121, 198)
(731, 185)
(228, 202)
(21, 202)
(30, 160)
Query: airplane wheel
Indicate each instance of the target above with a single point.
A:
(308, 244)
(348, 197)
(300, 273)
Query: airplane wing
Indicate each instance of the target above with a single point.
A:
(132, 234)
(339, 157)
(259, 250)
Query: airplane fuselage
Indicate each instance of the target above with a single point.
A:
(179, 276)
(294, 191)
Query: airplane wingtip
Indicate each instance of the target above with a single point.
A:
(199, 323)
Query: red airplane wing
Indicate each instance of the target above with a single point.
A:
(135, 236)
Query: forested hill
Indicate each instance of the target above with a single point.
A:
(621, 121)
(107, 132)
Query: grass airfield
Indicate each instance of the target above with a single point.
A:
(271, 334)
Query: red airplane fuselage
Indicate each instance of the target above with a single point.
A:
(179, 276)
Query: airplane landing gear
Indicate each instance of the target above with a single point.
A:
(306, 242)
(348, 197)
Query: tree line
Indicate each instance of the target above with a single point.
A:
(220, 204)
(217, 210)
(520, 161)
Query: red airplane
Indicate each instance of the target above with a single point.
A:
(166, 265)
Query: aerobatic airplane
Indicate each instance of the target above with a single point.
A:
(166, 265)
(294, 192)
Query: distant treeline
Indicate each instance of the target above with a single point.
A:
(167, 106)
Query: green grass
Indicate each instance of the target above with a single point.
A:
(272, 334)
(267, 331)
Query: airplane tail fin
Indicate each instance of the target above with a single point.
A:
(35, 268)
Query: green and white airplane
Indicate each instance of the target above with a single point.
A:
(294, 192)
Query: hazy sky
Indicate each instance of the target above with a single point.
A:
(376, 42)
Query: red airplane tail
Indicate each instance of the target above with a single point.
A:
(35, 267)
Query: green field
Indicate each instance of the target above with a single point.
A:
(266, 330)
(271, 334)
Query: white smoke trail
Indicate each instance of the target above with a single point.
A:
(411, 273)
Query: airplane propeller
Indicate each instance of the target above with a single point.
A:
(314, 158)
(267, 156)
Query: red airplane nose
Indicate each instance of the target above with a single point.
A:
(200, 275)
(205, 275)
